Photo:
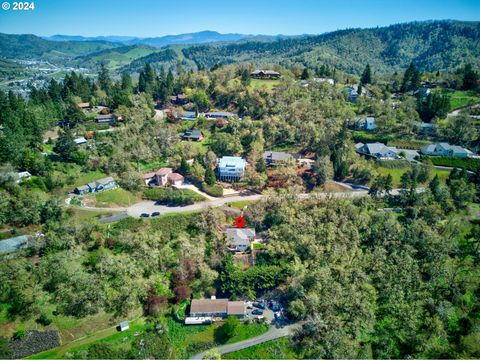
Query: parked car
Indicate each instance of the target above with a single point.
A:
(156, 213)
(259, 305)
(257, 312)
(144, 215)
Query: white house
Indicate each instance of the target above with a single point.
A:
(445, 149)
(80, 140)
(231, 168)
(327, 80)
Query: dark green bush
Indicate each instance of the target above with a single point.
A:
(168, 196)
(213, 190)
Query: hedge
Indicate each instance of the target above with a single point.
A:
(213, 190)
(471, 164)
(168, 196)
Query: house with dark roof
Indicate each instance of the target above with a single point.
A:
(187, 115)
(445, 149)
(239, 239)
(217, 308)
(212, 115)
(179, 99)
(106, 119)
(378, 150)
(352, 94)
(265, 74)
(192, 135)
(274, 158)
(104, 184)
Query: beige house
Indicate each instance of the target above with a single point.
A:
(163, 177)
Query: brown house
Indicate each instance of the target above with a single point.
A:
(217, 308)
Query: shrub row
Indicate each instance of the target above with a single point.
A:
(471, 164)
(169, 196)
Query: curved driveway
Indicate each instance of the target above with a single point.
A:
(272, 334)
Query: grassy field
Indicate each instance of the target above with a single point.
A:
(118, 196)
(80, 215)
(151, 166)
(189, 340)
(110, 335)
(268, 84)
(275, 349)
(459, 99)
(398, 172)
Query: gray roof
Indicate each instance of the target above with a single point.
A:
(106, 180)
(219, 113)
(13, 244)
(276, 155)
(240, 236)
(192, 134)
(83, 187)
(454, 149)
(375, 149)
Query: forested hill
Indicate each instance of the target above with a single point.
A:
(36, 48)
(431, 45)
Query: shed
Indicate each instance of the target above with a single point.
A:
(123, 326)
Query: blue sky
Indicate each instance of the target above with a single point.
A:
(160, 17)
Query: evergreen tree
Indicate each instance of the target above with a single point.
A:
(470, 78)
(126, 83)
(411, 79)
(66, 146)
(210, 178)
(366, 76)
(305, 74)
(104, 81)
(261, 166)
(184, 167)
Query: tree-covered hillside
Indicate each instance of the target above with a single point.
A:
(432, 45)
(34, 47)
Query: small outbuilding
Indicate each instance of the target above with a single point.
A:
(123, 326)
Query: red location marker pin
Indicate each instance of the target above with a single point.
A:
(240, 222)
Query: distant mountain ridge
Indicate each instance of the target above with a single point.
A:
(431, 45)
(201, 37)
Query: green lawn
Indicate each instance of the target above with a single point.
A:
(118, 196)
(268, 84)
(398, 172)
(240, 204)
(80, 215)
(152, 165)
(189, 340)
(85, 178)
(459, 99)
(275, 349)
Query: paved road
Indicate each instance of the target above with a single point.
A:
(149, 206)
(272, 334)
